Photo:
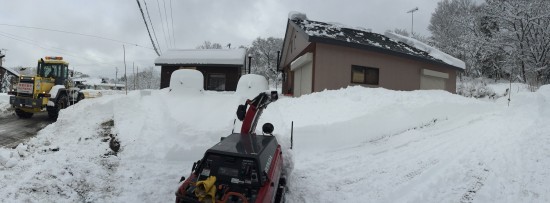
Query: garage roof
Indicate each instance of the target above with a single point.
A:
(202, 57)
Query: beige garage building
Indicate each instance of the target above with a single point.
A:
(318, 56)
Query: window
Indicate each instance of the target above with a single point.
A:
(364, 75)
(216, 81)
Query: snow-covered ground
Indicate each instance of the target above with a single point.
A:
(354, 144)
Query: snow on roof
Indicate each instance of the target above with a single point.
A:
(427, 48)
(11, 71)
(202, 56)
(362, 36)
(89, 80)
(295, 15)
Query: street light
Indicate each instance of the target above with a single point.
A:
(249, 62)
(412, 17)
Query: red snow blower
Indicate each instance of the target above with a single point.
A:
(242, 167)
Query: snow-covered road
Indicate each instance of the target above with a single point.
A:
(14, 130)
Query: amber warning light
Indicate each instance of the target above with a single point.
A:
(54, 58)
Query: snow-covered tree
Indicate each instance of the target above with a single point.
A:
(524, 31)
(496, 39)
(454, 31)
(6, 81)
(264, 57)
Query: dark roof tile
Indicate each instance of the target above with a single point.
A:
(358, 36)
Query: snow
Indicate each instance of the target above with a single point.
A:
(428, 49)
(250, 85)
(352, 144)
(202, 56)
(295, 15)
(4, 105)
(186, 82)
(11, 71)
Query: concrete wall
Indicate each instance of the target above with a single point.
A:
(332, 69)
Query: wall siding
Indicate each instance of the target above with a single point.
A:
(333, 69)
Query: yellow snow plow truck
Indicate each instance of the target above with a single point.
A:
(49, 90)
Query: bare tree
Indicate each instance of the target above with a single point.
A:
(209, 45)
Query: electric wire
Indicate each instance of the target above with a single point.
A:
(166, 20)
(162, 23)
(145, 21)
(172, 18)
(29, 40)
(152, 26)
(74, 33)
(53, 49)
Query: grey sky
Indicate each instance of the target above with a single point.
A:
(237, 22)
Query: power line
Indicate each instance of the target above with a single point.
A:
(74, 33)
(172, 17)
(29, 41)
(162, 23)
(53, 49)
(166, 20)
(143, 15)
(152, 26)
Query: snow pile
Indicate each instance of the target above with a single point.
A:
(351, 144)
(488, 88)
(295, 15)
(250, 85)
(187, 82)
(10, 157)
(160, 136)
(428, 49)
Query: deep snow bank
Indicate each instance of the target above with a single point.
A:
(350, 144)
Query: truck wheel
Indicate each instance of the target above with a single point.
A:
(79, 97)
(60, 103)
(22, 114)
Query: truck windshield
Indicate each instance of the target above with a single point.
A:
(50, 70)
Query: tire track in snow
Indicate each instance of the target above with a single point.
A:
(479, 176)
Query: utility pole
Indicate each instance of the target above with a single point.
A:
(125, 77)
(134, 73)
(116, 75)
(412, 18)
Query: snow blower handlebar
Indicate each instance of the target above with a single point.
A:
(251, 116)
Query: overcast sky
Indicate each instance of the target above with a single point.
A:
(237, 22)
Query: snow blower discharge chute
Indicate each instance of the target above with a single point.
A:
(242, 167)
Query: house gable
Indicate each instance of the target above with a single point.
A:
(296, 40)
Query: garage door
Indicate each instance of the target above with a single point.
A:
(302, 80)
(302, 68)
(433, 80)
